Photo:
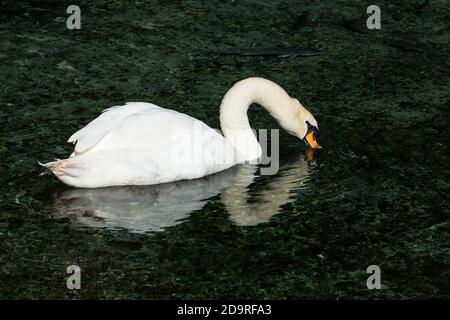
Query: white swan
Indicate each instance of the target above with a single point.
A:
(143, 144)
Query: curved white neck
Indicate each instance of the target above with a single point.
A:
(233, 112)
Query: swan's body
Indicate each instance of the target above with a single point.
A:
(142, 144)
(136, 144)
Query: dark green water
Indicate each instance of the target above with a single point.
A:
(377, 193)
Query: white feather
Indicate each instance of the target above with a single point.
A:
(110, 118)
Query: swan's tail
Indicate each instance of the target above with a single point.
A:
(58, 167)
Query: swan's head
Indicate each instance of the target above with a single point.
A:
(302, 124)
(289, 112)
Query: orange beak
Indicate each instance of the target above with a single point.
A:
(312, 140)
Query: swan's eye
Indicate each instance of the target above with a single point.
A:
(312, 129)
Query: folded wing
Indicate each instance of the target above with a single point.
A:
(89, 136)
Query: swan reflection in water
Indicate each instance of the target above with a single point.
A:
(142, 209)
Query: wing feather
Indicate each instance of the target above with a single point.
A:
(97, 129)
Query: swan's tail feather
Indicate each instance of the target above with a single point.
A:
(59, 167)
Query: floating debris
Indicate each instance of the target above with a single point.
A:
(282, 52)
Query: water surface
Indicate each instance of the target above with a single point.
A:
(376, 194)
